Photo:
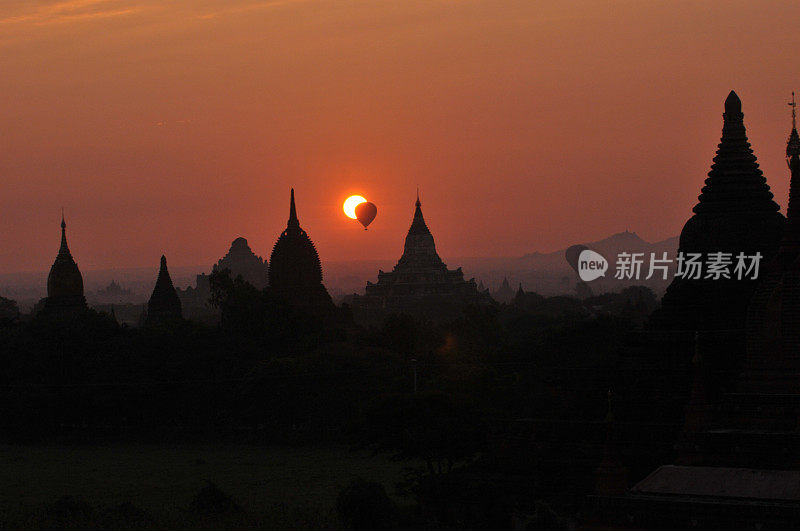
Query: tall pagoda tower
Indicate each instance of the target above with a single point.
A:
(420, 284)
(772, 363)
(64, 282)
(738, 464)
(735, 213)
(295, 271)
(164, 306)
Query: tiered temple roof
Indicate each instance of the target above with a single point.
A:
(64, 282)
(735, 213)
(420, 283)
(164, 306)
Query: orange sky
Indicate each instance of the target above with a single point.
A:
(528, 125)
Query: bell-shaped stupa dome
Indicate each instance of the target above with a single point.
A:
(295, 271)
(64, 282)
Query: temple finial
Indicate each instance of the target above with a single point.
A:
(64, 248)
(418, 203)
(733, 104)
(163, 262)
(294, 223)
(793, 144)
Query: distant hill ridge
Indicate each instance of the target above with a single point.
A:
(619, 242)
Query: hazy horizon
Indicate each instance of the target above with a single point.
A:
(207, 267)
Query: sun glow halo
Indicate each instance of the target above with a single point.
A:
(350, 205)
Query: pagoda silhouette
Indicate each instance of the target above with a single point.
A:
(295, 271)
(164, 306)
(736, 464)
(772, 363)
(735, 214)
(242, 261)
(64, 282)
(420, 284)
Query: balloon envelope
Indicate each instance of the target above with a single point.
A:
(365, 213)
(572, 255)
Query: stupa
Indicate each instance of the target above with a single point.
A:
(164, 306)
(64, 282)
(735, 214)
(295, 272)
(737, 466)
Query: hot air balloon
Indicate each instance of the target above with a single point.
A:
(365, 213)
(572, 255)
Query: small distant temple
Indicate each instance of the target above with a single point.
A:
(65, 282)
(504, 293)
(295, 271)
(420, 284)
(164, 306)
(113, 294)
(735, 213)
(242, 261)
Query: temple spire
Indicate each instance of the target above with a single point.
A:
(64, 282)
(791, 235)
(64, 249)
(792, 232)
(164, 305)
(735, 182)
(163, 281)
(793, 145)
(294, 223)
(733, 105)
(419, 245)
(418, 225)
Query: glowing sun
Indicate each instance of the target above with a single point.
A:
(350, 205)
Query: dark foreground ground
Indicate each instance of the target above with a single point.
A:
(154, 486)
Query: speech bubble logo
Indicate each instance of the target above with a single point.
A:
(591, 265)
